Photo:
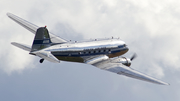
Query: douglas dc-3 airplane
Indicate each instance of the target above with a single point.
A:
(101, 53)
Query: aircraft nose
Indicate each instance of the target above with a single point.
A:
(127, 49)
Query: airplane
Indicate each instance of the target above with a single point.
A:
(101, 53)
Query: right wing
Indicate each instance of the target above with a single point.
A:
(103, 62)
(32, 28)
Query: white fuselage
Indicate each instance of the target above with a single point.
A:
(75, 51)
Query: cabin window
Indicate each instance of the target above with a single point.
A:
(109, 51)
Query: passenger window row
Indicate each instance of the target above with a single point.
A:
(95, 51)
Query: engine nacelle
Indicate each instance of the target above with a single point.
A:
(123, 60)
(97, 59)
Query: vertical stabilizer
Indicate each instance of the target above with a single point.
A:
(41, 39)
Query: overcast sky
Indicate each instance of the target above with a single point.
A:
(150, 28)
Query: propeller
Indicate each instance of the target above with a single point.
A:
(133, 57)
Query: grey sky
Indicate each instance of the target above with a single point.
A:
(149, 27)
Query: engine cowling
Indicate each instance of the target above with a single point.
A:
(123, 60)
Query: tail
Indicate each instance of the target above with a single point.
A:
(41, 39)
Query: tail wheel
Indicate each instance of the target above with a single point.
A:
(41, 61)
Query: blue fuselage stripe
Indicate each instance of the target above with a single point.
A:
(44, 41)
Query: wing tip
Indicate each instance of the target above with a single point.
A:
(8, 14)
(165, 84)
(11, 16)
(13, 43)
(161, 82)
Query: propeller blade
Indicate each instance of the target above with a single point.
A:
(133, 57)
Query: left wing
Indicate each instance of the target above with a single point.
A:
(33, 28)
(119, 68)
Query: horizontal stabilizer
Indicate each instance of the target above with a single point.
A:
(22, 46)
(46, 55)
